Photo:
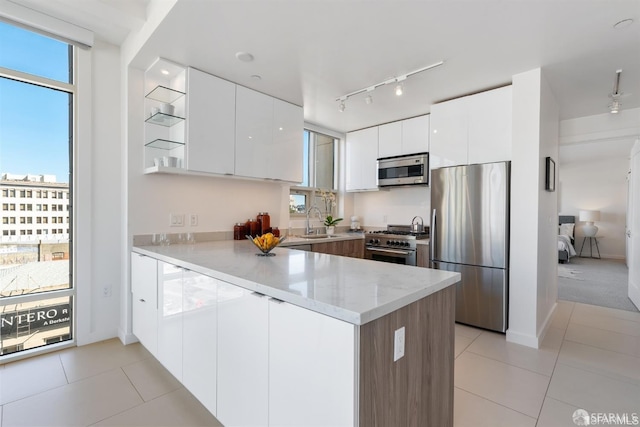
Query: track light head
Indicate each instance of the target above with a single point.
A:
(614, 107)
(341, 107)
(399, 89)
(369, 99)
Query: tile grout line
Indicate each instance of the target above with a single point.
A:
(555, 364)
(605, 349)
(125, 410)
(497, 403)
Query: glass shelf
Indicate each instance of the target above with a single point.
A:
(163, 144)
(164, 119)
(164, 94)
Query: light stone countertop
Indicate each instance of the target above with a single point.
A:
(353, 290)
(298, 240)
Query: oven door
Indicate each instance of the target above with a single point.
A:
(396, 256)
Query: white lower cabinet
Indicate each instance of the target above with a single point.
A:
(243, 364)
(315, 353)
(170, 318)
(249, 359)
(199, 339)
(144, 305)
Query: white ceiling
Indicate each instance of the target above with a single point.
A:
(310, 52)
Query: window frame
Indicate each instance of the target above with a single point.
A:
(312, 193)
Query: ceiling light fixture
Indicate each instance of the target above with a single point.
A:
(399, 89)
(615, 105)
(244, 56)
(342, 107)
(164, 72)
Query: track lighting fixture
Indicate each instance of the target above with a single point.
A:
(399, 87)
(615, 105)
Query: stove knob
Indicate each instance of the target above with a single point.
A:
(371, 241)
(377, 242)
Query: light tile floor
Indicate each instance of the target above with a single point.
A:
(590, 359)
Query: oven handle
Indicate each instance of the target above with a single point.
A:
(389, 251)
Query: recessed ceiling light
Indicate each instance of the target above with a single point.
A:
(165, 72)
(256, 77)
(623, 24)
(244, 56)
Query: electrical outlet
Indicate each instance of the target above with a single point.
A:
(193, 220)
(398, 344)
(176, 220)
(106, 291)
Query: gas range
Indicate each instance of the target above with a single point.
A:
(396, 244)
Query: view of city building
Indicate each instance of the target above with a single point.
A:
(36, 215)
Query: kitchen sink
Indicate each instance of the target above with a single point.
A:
(317, 236)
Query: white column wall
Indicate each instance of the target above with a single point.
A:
(533, 266)
(98, 218)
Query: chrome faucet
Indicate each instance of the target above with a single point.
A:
(309, 227)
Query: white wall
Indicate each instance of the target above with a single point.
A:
(392, 206)
(97, 193)
(594, 161)
(533, 275)
(600, 184)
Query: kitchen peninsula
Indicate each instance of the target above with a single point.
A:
(299, 338)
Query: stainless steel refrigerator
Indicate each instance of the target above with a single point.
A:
(470, 235)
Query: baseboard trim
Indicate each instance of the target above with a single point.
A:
(532, 341)
(126, 338)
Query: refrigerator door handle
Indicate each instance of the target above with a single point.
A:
(434, 236)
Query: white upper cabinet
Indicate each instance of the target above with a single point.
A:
(362, 153)
(286, 156)
(449, 132)
(211, 123)
(415, 135)
(490, 116)
(473, 129)
(254, 132)
(404, 137)
(390, 139)
(268, 137)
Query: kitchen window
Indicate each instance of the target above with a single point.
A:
(319, 185)
(37, 106)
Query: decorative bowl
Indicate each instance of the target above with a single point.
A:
(266, 243)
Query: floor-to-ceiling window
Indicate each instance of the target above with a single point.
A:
(36, 194)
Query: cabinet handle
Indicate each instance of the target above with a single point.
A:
(141, 300)
(276, 300)
(257, 294)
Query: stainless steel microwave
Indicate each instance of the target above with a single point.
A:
(403, 170)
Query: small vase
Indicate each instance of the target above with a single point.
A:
(331, 230)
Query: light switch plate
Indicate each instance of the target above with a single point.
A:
(398, 344)
(176, 220)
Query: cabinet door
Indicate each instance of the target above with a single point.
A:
(144, 290)
(211, 115)
(422, 255)
(170, 318)
(254, 134)
(362, 153)
(490, 116)
(415, 135)
(242, 357)
(285, 156)
(199, 341)
(315, 353)
(449, 126)
(390, 139)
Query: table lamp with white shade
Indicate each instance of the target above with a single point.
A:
(589, 230)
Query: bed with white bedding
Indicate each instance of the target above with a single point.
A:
(566, 238)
